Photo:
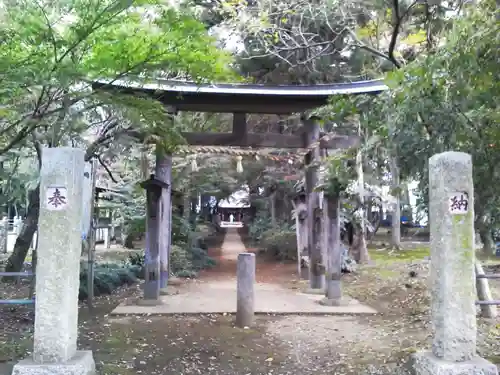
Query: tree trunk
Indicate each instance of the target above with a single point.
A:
(396, 225)
(88, 228)
(396, 215)
(128, 243)
(358, 243)
(186, 210)
(23, 241)
(272, 200)
(193, 215)
(486, 235)
(364, 256)
(483, 228)
(205, 207)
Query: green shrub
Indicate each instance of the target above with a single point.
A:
(188, 261)
(107, 278)
(135, 227)
(110, 265)
(126, 276)
(136, 259)
(181, 230)
(179, 260)
(200, 258)
(105, 281)
(137, 271)
(188, 251)
(280, 243)
(187, 274)
(259, 226)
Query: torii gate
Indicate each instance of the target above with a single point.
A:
(240, 100)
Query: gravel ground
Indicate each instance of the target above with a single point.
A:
(276, 345)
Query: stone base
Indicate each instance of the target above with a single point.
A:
(334, 302)
(426, 363)
(81, 364)
(169, 291)
(314, 291)
(148, 302)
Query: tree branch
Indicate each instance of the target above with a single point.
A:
(38, 148)
(395, 33)
(107, 170)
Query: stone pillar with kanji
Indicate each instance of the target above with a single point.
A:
(452, 274)
(58, 269)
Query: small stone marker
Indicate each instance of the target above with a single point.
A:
(453, 290)
(58, 268)
(245, 303)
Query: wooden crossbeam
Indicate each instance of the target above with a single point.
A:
(254, 140)
(266, 140)
(238, 138)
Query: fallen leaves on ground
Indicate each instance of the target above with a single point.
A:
(277, 345)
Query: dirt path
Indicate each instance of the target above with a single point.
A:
(215, 291)
(267, 271)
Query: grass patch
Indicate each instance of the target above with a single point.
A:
(384, 273)
(14, 348)
(487, 258)
(381, 256)
(111, 369)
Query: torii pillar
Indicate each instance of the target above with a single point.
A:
(314, 216)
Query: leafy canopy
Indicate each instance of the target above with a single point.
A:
(445, 100)
(50, 51)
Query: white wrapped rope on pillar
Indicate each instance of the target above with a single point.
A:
(239, 165)
(194, 165)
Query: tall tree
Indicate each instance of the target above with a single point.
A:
(446, 99)
(52, 51)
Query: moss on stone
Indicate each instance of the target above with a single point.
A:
(463, 232)
(463, 228)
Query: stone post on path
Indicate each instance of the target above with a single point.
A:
(245, 299)
(58, 268)
(453, 291)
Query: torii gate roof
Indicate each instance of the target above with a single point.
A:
(246, 98)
